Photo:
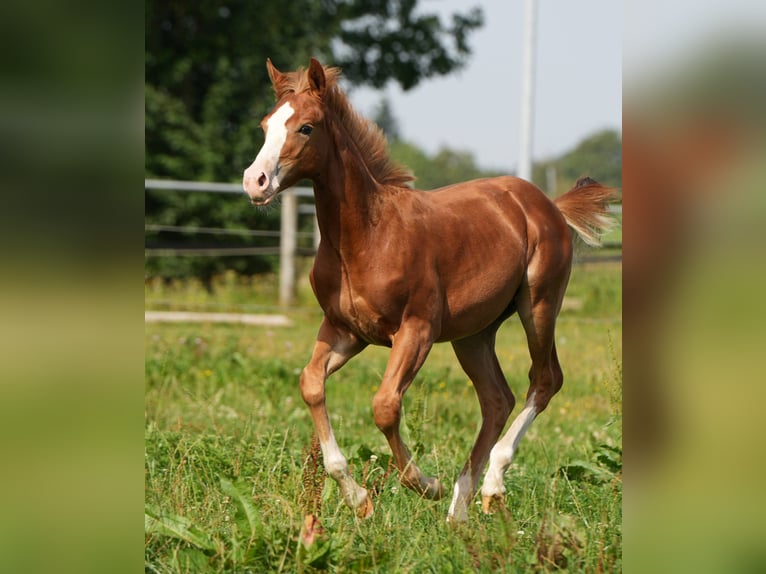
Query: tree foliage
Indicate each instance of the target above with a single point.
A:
(598, 156)
(386, 120)
(445, 167)
(207, 88)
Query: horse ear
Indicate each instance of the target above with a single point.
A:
(316, 77)
(274, 74)
(279, 81)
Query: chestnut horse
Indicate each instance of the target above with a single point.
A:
(406, 269)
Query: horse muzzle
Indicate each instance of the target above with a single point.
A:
(259, 187)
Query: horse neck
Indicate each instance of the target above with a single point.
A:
(347, 196)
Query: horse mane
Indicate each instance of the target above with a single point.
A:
(369, 138)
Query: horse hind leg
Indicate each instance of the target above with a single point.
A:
(538, 314)
(477, 357)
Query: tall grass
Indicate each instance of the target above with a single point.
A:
(231, 472)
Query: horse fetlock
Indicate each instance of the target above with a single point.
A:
(500, 458)
(493, 480)
(336, 467)
(426, 486)
(356, 498)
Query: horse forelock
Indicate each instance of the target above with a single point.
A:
(297, 82)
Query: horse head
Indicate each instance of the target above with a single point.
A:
(296, 136)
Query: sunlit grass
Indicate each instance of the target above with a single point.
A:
(222, 404)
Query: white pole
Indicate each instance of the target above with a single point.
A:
(317, 235)
(550, 176)
(527, 93)
(287, 244)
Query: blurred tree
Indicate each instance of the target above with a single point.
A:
(207, 87)
(598, 156)
(446, 167)
(384, 117)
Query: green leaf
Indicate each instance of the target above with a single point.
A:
(244, 503)
(191, 560)
(179, 527)
(609, 457)
(318, 554)
(584, 471)
(362, 454)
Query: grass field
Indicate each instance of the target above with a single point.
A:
(230, 472)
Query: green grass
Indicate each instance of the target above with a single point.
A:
(230, 475)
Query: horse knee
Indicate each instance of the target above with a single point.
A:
(312, 388)
(386, 410)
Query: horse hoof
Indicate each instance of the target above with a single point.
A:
(426, 486)
(365, 509)
(433, 489)
(490, 504)
(458, 517)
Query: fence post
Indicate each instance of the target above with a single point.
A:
(287, 246)
(317, 235)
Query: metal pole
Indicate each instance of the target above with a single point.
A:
(317, 234)
(287, 245)
(527, 93)
(551, 176)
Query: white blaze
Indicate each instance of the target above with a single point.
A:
(267, 159)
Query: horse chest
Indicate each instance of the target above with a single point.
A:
(365, 318)
(364, 308)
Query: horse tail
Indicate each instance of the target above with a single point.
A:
(586, 209)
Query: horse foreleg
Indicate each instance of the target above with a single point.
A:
(409, 350)
(332, 350)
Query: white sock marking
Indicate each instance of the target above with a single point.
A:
(337, 467)
(334, 461)
(461, 498)
(502, 453)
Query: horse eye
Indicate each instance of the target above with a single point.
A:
(305, 129)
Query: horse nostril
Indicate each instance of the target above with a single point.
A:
(262, 180)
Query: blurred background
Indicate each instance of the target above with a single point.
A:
(693, 279)
(459, 95)
(75, 238)
(442, 79)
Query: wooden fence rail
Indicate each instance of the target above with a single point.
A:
(288, 234)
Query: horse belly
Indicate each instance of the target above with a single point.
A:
(474, 305)
(473, 319)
